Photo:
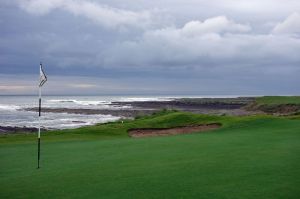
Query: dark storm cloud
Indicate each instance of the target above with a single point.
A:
(228, 46)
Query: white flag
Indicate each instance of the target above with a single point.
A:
(43, 77)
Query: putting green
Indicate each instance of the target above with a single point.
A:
(249, 157)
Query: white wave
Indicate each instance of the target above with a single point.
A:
(57, 120)
(80, 102)
(108, 103)
(67, 123)
(60, 100)
(92, 102)
(8, 107)
(144, 99)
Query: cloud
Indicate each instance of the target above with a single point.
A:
(291, 25)
(16, 84)
(14, 88)
(218, 24)
(216, 45)
(216, 42)
(40, 7)
(82, 85)
(102, 14)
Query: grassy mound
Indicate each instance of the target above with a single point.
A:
(249, 157)
(276, 104)
(163, 119)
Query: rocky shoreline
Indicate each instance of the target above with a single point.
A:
(215, 106)
(118, 112)
(218, 106)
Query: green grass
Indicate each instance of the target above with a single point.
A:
(249, 157)
(278, 100)
(117, 130)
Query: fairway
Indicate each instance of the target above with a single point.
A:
(254, 157)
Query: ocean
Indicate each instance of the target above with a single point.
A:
(12, 113)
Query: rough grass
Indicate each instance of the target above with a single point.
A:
(284, 105)
(278, 100)
(249, 157)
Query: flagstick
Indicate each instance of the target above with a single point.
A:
(43, 79)
(39, 132)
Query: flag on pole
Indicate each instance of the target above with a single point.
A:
(43, 79)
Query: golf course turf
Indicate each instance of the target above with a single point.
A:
(248, 157)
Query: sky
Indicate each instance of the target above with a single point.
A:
(157, 47)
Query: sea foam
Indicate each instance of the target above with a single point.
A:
(9, 107)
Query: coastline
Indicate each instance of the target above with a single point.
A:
(210, 106)
(214, 106)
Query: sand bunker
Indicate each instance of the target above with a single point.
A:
(149, 132)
